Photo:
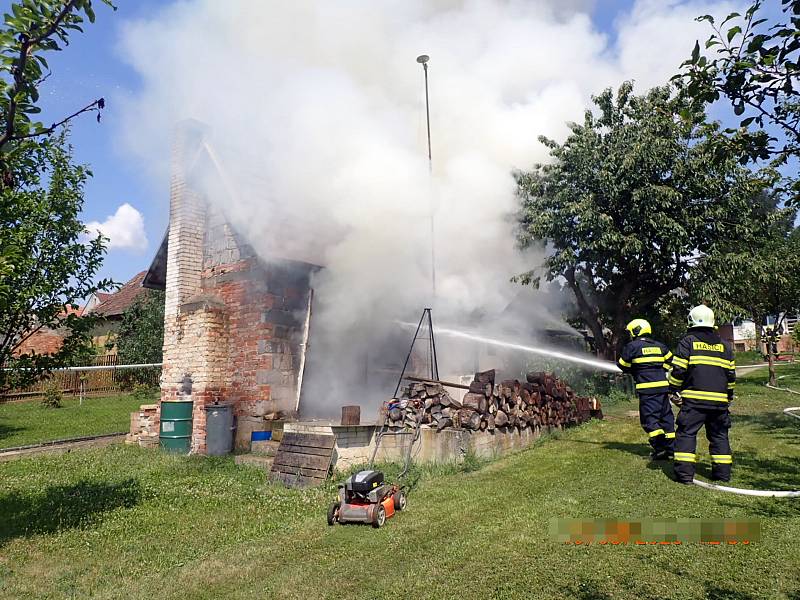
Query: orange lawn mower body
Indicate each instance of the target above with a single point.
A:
(364, 497)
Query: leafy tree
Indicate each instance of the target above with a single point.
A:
(43, 264)
(53, 265)
(757, 280)
(635, 194)
(31, 29)
(140, 338)
(753, 62)
(669, 317)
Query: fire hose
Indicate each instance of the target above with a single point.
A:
(791, 411)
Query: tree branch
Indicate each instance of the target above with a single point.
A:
(28, 42)
(96, 105)
(589, 315)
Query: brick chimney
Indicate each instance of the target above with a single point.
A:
(194, 323)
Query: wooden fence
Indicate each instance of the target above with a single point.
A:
(95, 382)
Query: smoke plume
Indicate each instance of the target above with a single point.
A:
(316, 115)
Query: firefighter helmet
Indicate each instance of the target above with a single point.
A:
(701, 316)
(638, 327)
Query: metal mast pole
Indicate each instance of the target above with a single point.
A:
(423, 60)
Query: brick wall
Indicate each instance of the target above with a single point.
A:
(233, 322)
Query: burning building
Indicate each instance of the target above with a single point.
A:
(238, 319)
(236, 324)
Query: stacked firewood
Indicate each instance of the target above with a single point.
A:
(541, 401)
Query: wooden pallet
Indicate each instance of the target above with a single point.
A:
(303, 459)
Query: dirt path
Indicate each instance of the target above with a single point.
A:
(61, 447)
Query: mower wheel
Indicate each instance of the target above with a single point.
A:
(333, 512)
(399, 498)
(380, 516)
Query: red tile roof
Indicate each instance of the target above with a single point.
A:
(68, 310)
(112, 305)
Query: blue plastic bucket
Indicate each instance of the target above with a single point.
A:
(260, 436)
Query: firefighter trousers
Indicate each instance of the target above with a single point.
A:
(717, 421)
(655, 415)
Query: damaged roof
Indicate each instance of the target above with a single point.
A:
(115, 304)
(155, 277)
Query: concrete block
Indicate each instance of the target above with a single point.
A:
(269, 377)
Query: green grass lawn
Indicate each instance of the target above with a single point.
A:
(23, 423)
(122, 522)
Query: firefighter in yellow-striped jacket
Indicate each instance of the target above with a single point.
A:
(646, 359)
(703, 371)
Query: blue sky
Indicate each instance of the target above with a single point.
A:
(89, 68)
(92, 66)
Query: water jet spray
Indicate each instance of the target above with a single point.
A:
(602, 365)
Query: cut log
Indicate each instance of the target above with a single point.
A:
(501, 419)
(475, 421)
(534, 377)
(490, 424)
(485, 377)
(473, 401)
(433, 389)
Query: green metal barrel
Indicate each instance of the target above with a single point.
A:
(176, 426)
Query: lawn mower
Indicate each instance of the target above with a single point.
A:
(365, 498)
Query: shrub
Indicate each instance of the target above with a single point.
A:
(144, 392)
(52, 395)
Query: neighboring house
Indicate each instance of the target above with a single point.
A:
(46, 340)
(742, 332)
(111, 307)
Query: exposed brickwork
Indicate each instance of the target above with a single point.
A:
(144, 426)
(44, 341)
(231, 321)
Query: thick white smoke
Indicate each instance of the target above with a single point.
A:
(316, 112)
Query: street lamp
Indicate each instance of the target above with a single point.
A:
(423, 60)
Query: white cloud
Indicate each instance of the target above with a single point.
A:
(125, 229)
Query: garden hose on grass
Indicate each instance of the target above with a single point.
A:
(791, 411)
(766, 493)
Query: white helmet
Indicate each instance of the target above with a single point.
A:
(701, 316)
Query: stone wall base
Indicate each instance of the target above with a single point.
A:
(355, 444)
